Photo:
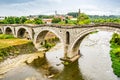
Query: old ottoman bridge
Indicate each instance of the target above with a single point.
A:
(70, 36)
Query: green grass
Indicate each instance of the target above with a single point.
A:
(8, 44)
(6, 36)
(115, 53)
(12, 42)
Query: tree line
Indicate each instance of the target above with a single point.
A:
(20, 20)
(81, 19)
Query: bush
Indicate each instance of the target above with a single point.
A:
(115, 53)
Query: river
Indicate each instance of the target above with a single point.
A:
(94, 64)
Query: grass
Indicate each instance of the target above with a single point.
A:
(6, 36)
(10, 45)
(12, 42)
(9, 40)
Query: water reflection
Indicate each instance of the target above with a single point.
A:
(70, 72)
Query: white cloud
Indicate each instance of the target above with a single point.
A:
(62, 6)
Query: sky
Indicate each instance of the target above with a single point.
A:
(48, 7)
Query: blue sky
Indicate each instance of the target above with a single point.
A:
(35, 7)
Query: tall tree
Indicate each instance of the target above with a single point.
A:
(17, 20)
(83, 19)
(23, 19)
(9, 20)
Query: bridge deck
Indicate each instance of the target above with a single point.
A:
(64, 26)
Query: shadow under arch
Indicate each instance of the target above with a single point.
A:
(1, 31)
(76, 46)
(40, 38)
(8, 31)
(23, 33)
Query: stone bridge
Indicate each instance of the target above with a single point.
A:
(70, 36)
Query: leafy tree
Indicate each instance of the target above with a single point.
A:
(83, 19)
(17, 20)
(74, 14)
(1, 21)
(29, 21)
(23, 19)
(38, 21)
(45, 16)
(56, 20)
(9, 20)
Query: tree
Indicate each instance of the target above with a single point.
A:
(38, 21)
(9, 20)
(83, 19)
(17, 20)
(23, 19)
(56, 20)
(29, 21)
(74, 14)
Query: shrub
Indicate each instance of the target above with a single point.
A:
(115, 53)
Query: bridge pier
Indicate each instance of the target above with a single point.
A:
(70, 56)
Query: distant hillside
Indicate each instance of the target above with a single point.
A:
(75, 14)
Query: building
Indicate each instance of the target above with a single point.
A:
(47, 21)
(2, 17)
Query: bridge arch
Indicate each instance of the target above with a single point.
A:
(39, 38)
(8, 30)
(24, 32)
(76, 44)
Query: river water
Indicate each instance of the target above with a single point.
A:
(94, 64)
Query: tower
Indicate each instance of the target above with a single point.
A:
(79, 12)
(55, 12)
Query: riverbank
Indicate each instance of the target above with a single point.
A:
(115, 53)
(10, 47)
(21, 60)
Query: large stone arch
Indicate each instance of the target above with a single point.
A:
(73, 50)
(24, 32)
(9, 30)
(39, 37)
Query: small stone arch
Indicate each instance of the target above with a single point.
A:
(24, 32)
(8, 30)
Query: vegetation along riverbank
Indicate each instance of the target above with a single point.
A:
(11, 47)
(115, 53)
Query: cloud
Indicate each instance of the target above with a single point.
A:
(35, 7)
